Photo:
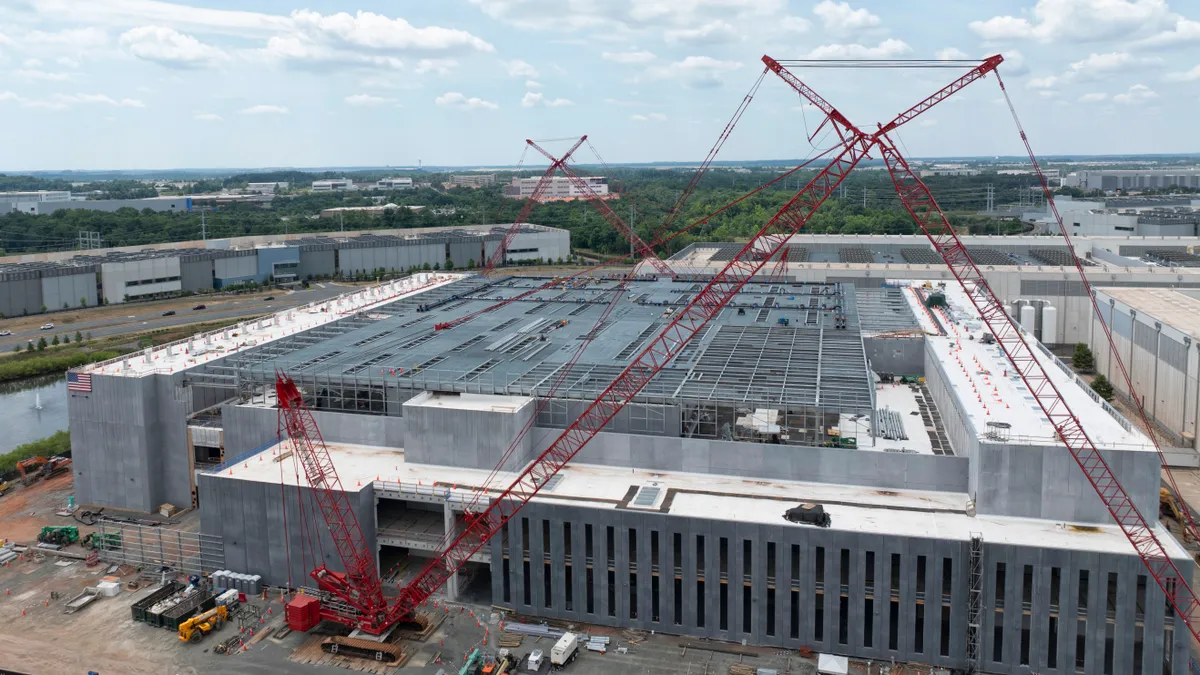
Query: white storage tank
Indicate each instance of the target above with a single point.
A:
(1049, 325)
(1028, 318)
(1008, 309)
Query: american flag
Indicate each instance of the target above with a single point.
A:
(79, 382)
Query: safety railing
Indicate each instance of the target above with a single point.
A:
(230, 463)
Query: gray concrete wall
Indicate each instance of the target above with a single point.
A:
(21, 296)
(462, 251)
(462, 436)
(69, 289)
(317, 263)
(771, 586)
(899, 356)
(259, 525)
(129, 442)
(196, 275)
(247, 427)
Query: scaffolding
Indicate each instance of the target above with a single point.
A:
(975, 604)
(159, 548)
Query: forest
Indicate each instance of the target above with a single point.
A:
(865, 204)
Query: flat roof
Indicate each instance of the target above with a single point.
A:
(1177, 308)
(774, 344)
(985, 382)
(916, 513)
(465, 401)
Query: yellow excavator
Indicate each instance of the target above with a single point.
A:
(1168, 507)
(194, 629)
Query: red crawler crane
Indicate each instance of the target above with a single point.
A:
(540, 189)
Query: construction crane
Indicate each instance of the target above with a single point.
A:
(535, 197)
(921, 205)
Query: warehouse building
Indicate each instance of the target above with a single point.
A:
(121, 275)
(1156, 331)
(966, 513)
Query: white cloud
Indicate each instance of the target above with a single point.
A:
(1093, 97)
(65, 101)
(1098, 65)
(519, 68)
(1079, 21)
(170, 48)
(536, 98)
(636, 56)
(40, 75)
(927, 122)
(436, 66)
(73, 38)
(1186, 76)
(122, 13)
(714, 32)
(887, 49)
(533, 84)
(1014, 63)
(368, 30)
(1184, 30)
(263, 109)
(1047, 82)
(1137, 94)
(67, 62)
(840, 18)
(32, 63)
(612, 16)
(303, 52)
(649, 117)
(951, 54)
(362, 100)
(209, 117)
(453, 99)
(695, 71)
(795, 24)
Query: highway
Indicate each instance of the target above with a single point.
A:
(148, 316)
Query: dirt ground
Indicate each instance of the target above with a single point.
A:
(64, 319)
(25, 510)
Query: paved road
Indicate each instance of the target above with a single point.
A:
(149, 317)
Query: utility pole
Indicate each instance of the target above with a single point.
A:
(341, 221)
(632, 214)
(864, 197)
(991, 198)
(203, 228)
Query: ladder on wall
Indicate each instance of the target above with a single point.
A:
(974, 603)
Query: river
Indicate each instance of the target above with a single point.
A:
(21, 420)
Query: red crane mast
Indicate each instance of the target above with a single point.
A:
(497, 256)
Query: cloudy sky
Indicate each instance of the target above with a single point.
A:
(123, 84)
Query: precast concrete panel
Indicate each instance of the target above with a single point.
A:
(317, 264)
(248, 427)
(475, 433)
(235, 269)
(196, 275)
(19, 297)
(111, 455)
(68, 290)
(463, 251)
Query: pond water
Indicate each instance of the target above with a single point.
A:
(31, 409)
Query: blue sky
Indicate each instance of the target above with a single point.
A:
(123, 84)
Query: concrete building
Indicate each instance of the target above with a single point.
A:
(672, 518)
(266, 188)
(559, 189)
(394, 184)
(42, 202)
(1157, 332)
(333, 185)
(1111, 180)
(472, 180)
(373, 211)
(133, 273)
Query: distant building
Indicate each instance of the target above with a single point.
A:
(395, 184)
(266, 188)
(925, 173)
(472, 180)
(560, 188)
(1133, 179)
(334, 185)
(369, 210)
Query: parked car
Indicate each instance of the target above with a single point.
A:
(169, 312)
(47, 326)
(5, 332)
(199, 307)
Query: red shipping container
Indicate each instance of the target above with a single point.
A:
(303, 612)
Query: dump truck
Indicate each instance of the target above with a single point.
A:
(809, 514)
(194, 629)
(564, 651)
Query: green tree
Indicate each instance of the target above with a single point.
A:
(470, 264)
(449, 264)
(43, 309)
(425, 267)
(41, 345)
(437, 266)
(1103, 387)
(66, 339)
(1083, 359)
(17, 348)
(89, 336)
(83, 302)
(55, 341)
(78, 337)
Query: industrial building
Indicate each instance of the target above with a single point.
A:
(44, 202)
(474, 180)
(72, 280)
(394, 184)
(559, 188)
(952, 504)
(333, 185)
(1111, 180)
(1156, 332)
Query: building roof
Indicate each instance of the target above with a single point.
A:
(1177, 308)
